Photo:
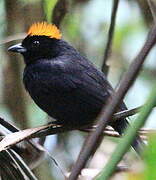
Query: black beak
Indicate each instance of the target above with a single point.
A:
(17, 48)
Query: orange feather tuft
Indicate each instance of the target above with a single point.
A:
(44, 29)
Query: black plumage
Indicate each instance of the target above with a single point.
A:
(64, 83)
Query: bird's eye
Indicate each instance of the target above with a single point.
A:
(36, 43)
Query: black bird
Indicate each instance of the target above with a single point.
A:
(62, 82)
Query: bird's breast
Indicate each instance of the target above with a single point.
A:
(48, 91)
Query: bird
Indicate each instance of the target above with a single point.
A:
(64, 83)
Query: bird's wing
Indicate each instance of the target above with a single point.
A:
(88, 85)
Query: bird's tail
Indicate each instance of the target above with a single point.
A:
(120, 125)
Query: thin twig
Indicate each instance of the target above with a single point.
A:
(126, 113)
(122, 169)
(55, 162)
(59, 12)
(110, 36)
(8, 125)
(110, 132)
(107, 112)
(152, 7)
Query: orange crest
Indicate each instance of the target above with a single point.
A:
(44, 29)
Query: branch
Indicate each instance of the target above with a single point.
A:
(152, 7)
(110, 132)
(110, 37)
(52, 129)
(107, 111)
(126, 113)
(14, 138)
(59, 12)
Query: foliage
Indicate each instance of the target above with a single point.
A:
(85, 26)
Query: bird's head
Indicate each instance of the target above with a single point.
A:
(41, 42)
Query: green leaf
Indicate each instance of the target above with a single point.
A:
(150, 158)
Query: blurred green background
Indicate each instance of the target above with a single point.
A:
(85, 26)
